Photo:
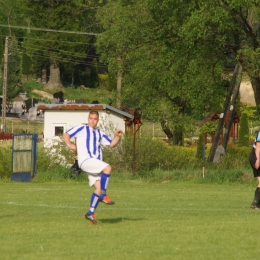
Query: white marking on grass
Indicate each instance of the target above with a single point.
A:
(120, 208)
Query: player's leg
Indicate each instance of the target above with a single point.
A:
(256, 202)
(94, 203)
(102, 170)
(106, 173)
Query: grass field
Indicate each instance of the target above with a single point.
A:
(148, 221)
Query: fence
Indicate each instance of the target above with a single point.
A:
(26, 126)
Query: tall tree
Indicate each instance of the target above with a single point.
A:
(93, 77)
(176, 52)
(56, 48)
(161, 70)
(243, 137)
(26, 65)
(14, 69)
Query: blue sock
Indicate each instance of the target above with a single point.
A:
(104, 183)
(93, 203)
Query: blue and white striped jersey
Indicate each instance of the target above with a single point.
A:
(89, 141)
(257, 139)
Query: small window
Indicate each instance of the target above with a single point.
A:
(59, 130)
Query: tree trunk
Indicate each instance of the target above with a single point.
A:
(175, 137)
(54, 82)
(167, 131)
(44, 75)
(178, 136)
(256, 88)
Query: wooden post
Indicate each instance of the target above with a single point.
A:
(3, 126)
(223, 114)
(235, 93)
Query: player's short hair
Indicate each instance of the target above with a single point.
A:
(94, 112)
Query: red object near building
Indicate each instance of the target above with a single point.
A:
(233, 133)
(5, 136)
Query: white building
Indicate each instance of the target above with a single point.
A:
(58, 118)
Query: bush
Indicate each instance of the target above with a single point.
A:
(200, 148)
(5, 158)
(152, 159)
(243, 138)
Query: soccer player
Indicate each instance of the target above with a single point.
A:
(254, 159)
(88, 141)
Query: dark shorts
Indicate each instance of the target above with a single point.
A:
(252, 160)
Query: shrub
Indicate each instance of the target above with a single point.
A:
(153, 159)
(243, 138)
(5, 158)
(200, 148)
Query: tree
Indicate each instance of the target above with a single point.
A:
(177, 50)
(243, 137)
(9, 15)
(161, 67)
(93, 77)
(1, 53)
(26, 65)
(53, 48)
(14, 69)
(201, 147)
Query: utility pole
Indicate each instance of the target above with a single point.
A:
(3, 127)
(232, 106)
(223, 114)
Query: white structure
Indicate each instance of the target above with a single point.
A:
(58, 118)
(246, 92)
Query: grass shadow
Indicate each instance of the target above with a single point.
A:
(117, 220)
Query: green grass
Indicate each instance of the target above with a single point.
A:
(149, 221)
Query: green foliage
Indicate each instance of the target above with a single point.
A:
(67, 49)
(111, 82)
(161, 69)
(209, 128)
(26, 64)
(243, 137)
(5, 158)
(14, 69)
(1, 46)
(93, 77)
(153, 160)
(201, 147)
(235, 158)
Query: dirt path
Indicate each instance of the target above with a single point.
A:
(43, 93)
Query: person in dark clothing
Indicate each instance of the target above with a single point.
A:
(254, 159)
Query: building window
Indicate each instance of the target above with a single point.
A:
(59, 130)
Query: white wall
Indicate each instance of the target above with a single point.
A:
(68, 119)
(246, 92)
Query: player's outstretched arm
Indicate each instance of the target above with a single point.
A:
(117, 138)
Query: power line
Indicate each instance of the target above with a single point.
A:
(63, 59)
(46, 30)
(49, 40)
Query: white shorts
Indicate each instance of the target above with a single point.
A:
(93, 167)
